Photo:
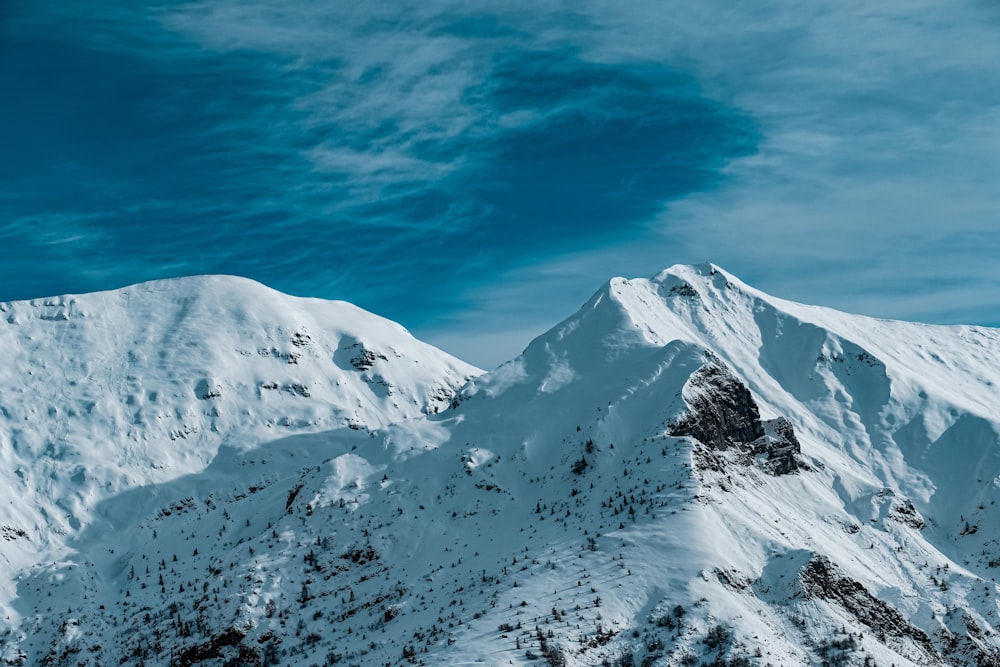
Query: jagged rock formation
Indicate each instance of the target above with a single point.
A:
(723, 412)
(820, 579)
(779, 449)
(723, 415)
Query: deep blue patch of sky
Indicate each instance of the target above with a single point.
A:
(116, 169)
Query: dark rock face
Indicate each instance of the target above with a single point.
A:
(780, 450)
(683, 289)
(723, 415)
(723, 412)
(366, 358)
(959, 642)
(820, 579)
(906, 514)
(214, 648)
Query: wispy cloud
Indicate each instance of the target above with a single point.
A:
(347, 150)
(872, 188)
(483, 168)
(876, 165)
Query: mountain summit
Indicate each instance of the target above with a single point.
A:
(686, 471)
(107, 392)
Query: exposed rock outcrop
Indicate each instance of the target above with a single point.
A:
(722, 415)
(821, 579)
(778, 450)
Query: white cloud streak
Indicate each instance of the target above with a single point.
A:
(873, 187)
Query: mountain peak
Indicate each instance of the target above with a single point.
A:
(703, 270)
(685, 470)
(679, 303)
(109, 391)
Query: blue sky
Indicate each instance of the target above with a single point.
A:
(476, 173)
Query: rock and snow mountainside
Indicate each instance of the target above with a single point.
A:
(686, 471)
(103, 393)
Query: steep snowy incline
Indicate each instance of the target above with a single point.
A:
(897, 424)
(914, 404)
(104, 392)
(687, 471)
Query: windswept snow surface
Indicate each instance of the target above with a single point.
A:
(104, 393)
(204, 471)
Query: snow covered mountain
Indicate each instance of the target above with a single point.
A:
(686, 471)
(103, 393)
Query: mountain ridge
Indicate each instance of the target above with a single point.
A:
(112, 390)
(685, 471)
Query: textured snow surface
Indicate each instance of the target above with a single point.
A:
(205, 471)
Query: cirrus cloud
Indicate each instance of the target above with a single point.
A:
(471, 169)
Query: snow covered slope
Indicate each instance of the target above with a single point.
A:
(102, 393)
(685, 471)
